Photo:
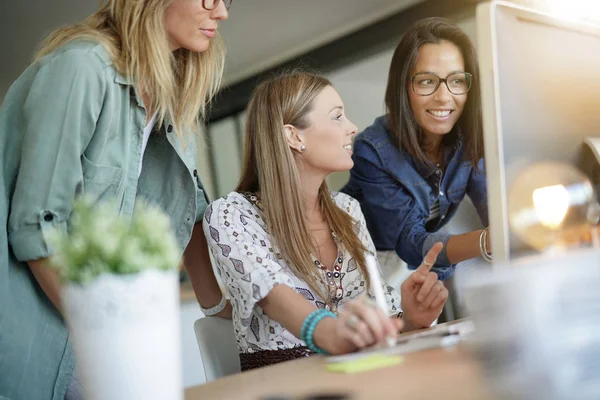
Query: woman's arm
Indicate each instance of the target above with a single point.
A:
(336, 336)
(48, 280)
(255, 278)
(463, 247)
(466, 246)
(61, 111)
(199, 268)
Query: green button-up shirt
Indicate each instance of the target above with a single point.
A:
(71, 124)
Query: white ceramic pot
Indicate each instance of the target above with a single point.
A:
(126, 336)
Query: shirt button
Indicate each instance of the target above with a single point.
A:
(437, 172)
(441, 193)
(195, 172)
(170, 128)
(48, 217)
(443, 216)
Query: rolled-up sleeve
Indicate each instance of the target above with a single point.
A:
(394, 219)
(60, 114)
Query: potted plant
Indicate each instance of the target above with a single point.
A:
(120, 298)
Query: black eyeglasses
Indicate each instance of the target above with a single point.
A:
(426, 84)
(212, 4)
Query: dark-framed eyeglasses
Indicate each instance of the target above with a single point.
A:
(426, 83)
(212, 4)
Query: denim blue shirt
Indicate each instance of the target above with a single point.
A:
(396, 193)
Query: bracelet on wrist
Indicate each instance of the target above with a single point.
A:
(216, 309)
(483, 248)
(308, 328)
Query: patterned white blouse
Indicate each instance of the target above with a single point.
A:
(250, 267)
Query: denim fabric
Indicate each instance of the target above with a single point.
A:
(396, 193)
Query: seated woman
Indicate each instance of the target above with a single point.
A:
(413, 166)
(292, 253)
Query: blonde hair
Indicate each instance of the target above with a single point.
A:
(269, 167)
(180, 83)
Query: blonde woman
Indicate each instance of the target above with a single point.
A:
(291, 253)
(108, 108)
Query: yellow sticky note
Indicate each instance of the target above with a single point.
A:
(362, 364)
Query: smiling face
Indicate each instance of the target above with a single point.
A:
(190, 26)
(437, 114)
(328, 137)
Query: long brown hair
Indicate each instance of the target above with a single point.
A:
(269, 167)
(404, 130)
(181, 83)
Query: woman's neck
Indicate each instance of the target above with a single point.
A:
(311, 183)
(434, 149)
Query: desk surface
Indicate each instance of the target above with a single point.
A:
(444, 373)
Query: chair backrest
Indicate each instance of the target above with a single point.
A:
(219, 351)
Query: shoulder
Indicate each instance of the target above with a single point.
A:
(80, 55)
(225, 208)
(374, 143)
(377, 134)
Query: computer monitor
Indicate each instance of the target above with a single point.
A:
(540, 80)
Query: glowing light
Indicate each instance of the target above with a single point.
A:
(551, 204)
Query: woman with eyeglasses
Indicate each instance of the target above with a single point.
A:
(415, 164)
(108, 108)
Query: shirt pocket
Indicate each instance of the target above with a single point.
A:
(100, 182)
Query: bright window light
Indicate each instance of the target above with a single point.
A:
(588, 10)
(576, 9)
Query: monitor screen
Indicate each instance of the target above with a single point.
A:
(540, 79)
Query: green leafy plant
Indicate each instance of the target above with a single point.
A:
(100, 241)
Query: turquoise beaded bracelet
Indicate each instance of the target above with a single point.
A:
(309, 325)
(307, 321)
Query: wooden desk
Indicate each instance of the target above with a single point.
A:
(446, 374)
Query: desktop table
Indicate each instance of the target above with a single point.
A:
(442, 373)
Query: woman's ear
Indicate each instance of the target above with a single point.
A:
(293, 137)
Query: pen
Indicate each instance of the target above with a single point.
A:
(377, 290)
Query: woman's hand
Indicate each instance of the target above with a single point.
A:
(361, 323)
(423, 296)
